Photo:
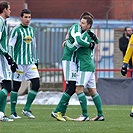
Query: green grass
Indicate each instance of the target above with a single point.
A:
(117, 121)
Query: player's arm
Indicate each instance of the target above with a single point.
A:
(129, 53)
(2, 49)
(75, 32)
(12, 41)
(35, 54)
(9, 57)
(64, 42)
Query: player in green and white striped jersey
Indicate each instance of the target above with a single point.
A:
(22, 44)
(85, 75)
(5, 59)
(73, 39)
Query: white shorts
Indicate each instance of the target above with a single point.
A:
(86, 79)
(5, 71)
(69, 70)
(26, 72)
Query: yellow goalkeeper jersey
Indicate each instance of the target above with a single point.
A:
(129, 52)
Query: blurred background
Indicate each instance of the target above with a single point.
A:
(53, 18)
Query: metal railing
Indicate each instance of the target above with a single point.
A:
(49, 40)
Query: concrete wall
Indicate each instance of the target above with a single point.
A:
(118, 57)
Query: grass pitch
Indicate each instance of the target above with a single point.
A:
(117, 120)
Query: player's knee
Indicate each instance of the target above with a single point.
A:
(7, 85)
(16, 86)
(35, 84)
(70, 88)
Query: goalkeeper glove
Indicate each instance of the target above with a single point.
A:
(11, 62)
(93, 36)
(124, 69)
(92, 45)
(9, 58)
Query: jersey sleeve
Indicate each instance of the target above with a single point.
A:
(35, 54)
(83, 40)
(78, 37)
(129, 51)
(3, 49)
(12, 41)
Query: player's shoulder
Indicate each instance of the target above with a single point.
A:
(15, 28)
(31, 27)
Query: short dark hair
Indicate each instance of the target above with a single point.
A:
(125, 29)
(89, 19)
(26, 11)
(3, 5)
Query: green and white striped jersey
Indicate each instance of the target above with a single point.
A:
(3, 37)
(70, 49)
(83, 54)
(22, 44)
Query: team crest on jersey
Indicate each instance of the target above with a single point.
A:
(28, 39)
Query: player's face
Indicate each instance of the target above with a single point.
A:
(26, 19)
(84, 25)
(7, 12)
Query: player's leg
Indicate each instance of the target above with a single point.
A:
(18, 77)
(6, 88)
(32, 93)
(96, 98)
(13, 99)
(69, 70)
(81, 79)
(5, 77)
(63, 103)
(32, 75)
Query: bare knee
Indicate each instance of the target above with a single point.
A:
(79, 89)
(92, 91)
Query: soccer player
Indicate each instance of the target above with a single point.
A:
(5, 59)
(70, 71)
(86, 75)
(128, 55)
(22, 44)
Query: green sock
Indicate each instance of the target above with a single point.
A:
(13, 101)
(83, 103)
(62, 105)
(3, 97)
(98, 103)
(31, 96)
(3, 105)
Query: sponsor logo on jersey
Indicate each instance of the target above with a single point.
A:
(28, 39)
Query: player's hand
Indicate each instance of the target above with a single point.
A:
(124, 69)
(92, 45)
(9, 58)
(93, 36)
(14, 66)
(63, 43)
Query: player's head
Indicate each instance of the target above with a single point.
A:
(86, 21)
(25, 17)
(5, 9)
